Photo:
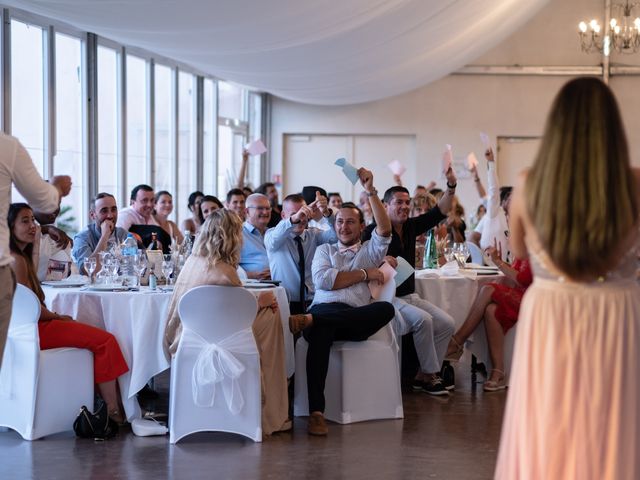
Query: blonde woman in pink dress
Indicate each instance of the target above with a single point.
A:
(573, 405)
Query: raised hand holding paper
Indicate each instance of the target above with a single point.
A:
(387, 290)
(484, 138)
(349, 170)
(397, 168)
(256, 147)
(472, 161)
(447, 159)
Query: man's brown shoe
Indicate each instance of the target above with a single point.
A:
(317, 425)
(299, 322)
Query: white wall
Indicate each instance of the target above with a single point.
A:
(456, 108)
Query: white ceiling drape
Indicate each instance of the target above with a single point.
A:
(326, 52)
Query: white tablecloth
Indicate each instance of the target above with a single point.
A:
(137, 320)
(455, 295)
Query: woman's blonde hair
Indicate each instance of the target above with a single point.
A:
(580, 192)
(220, 238)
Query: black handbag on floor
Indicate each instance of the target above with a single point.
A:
(96, 425)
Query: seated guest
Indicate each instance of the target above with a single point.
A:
(342, 308)
(291, 246)
(310, 195)
(164, 208)
(246, 191)
(455, 223)
(269, 189)
(335, 200)
(253, 257)
(192, 224)
(95, 238)
(49, 241)
(431, 327)
(236, 202)
(57, 330)
(498, 306)
(365, 207)
(213, 261)
(208, 205)
(140, 209)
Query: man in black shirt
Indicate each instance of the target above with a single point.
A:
(431, 327)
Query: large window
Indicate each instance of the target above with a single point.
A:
(187, 162)
(164, 133)
(209, 140)
(28, 90)
(85, 105)
(109, 166)
(69, 159)
(136, 122)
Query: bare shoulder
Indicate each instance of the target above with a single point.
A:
(20, 269)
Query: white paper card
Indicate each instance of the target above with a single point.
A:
(484, 138)
(256, 147)
(404, 270)
(397, 168)
(472, 161)
(349, 170)
(447, 159)
(388, 288)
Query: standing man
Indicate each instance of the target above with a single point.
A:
(95, 238)
(291, 246)
(16, 167)
(253, 256)
(342, 308)
(431, 327)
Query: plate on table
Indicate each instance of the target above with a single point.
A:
(108, 288)
(64, 283)
(254, 284)
(482, 269)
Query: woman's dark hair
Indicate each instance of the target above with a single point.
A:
(27, 253)
(192, 198)
(208, 198)
(162, 192)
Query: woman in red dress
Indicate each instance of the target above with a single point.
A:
(57, 330)
(498, 306)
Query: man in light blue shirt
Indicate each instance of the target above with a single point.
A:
(342, 308)
(292, 234)
(253, 256)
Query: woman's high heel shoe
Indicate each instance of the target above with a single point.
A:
(457, 353)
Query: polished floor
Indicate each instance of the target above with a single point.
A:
(442, 438)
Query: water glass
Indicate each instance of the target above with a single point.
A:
(167, 268)
(90, 267)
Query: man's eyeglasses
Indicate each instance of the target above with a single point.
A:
(262, 209)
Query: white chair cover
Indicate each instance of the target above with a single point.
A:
(350, 395)
(217, 350)
(41, 392)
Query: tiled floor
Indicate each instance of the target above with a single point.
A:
(452, 438)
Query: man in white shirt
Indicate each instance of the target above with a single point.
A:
(16, 167)
(342, 308)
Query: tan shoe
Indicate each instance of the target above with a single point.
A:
(317, 426)
(299, 322)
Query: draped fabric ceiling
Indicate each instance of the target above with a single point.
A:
(326, 52)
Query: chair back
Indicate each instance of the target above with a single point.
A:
(476, 253)
(25, 309)
(216, 312)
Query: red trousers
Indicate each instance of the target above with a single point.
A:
(108, 362)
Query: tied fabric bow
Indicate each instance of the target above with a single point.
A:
(217, 365)
(352, 248)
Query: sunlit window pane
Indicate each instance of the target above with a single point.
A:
(164, 171)
(108, 165)
(186, 141)
(209, 127)
(255, 132)
(27, 88)
(230, 98)
(69, 150)
(136, 122)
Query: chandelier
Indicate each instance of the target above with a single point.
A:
(622, 34)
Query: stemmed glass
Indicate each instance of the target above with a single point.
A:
(112, 267)
(167, 268)
(460, 253)
(139, 265)
(447, 251)
(90, 267)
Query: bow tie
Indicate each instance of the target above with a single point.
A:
(352, 248)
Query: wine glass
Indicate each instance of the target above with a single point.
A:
(167, 268)
(460, 253)
(90, 267)
(447, 251)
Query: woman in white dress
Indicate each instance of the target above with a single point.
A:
(572, 410)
